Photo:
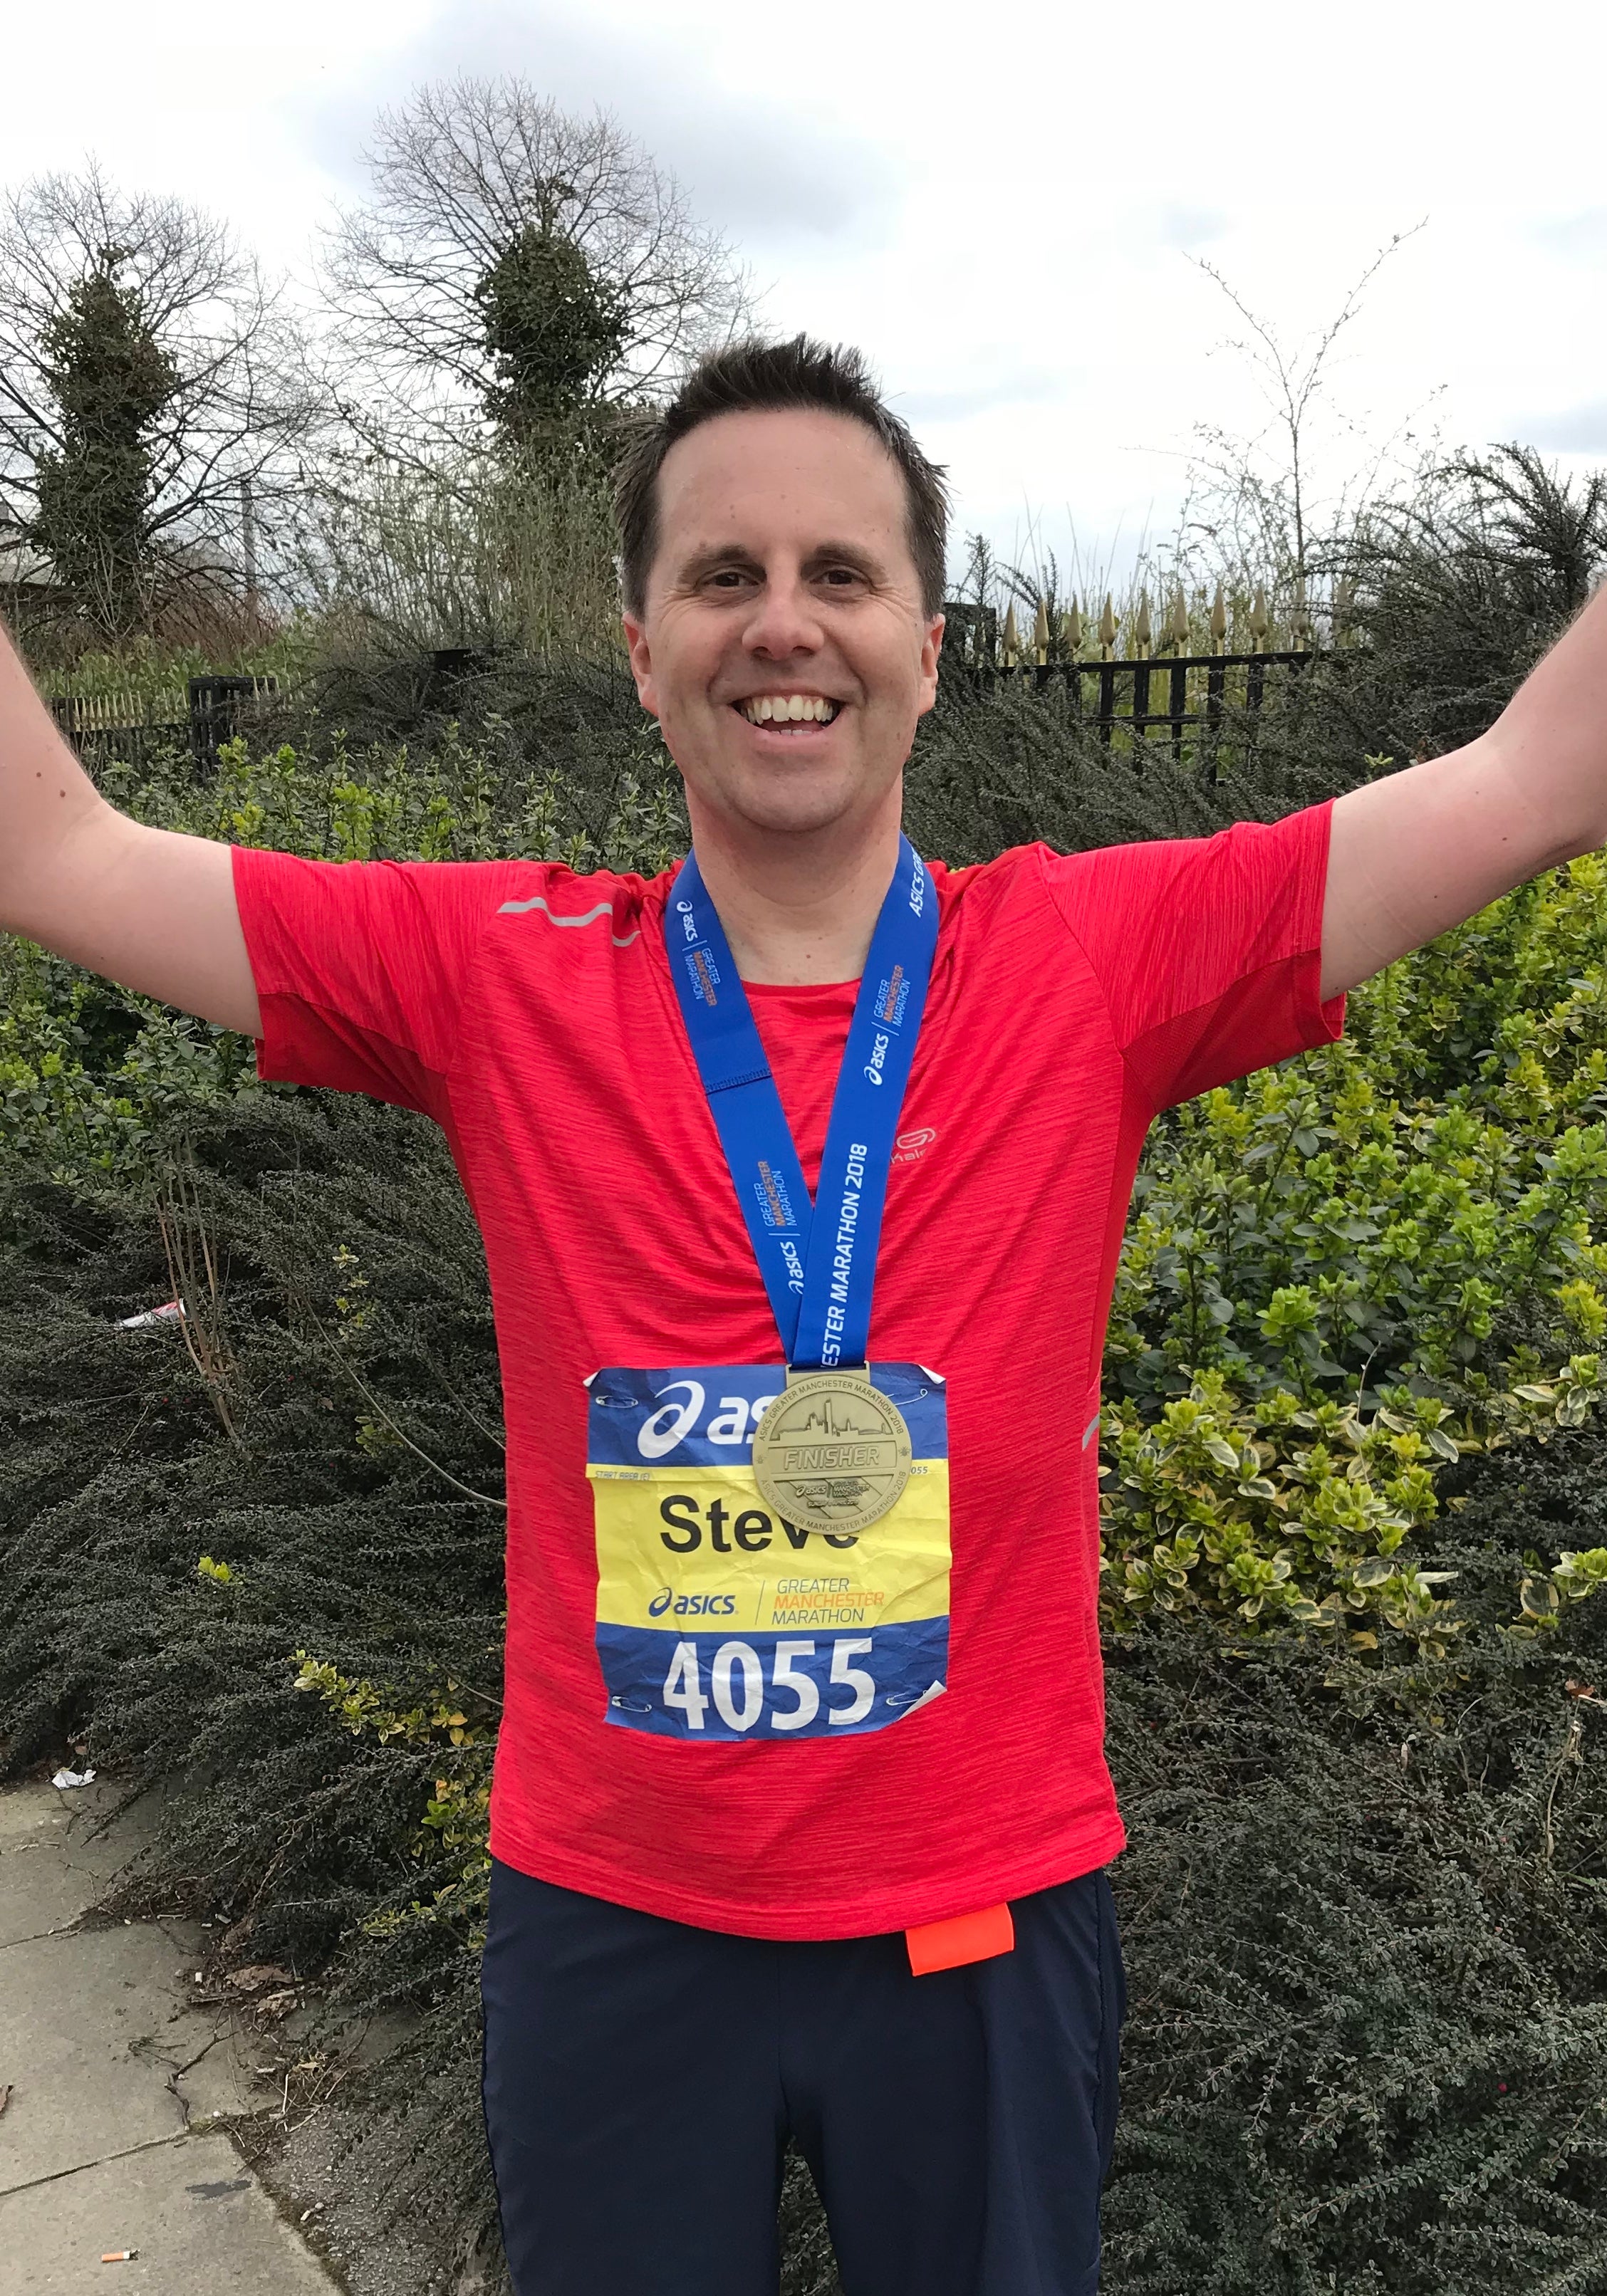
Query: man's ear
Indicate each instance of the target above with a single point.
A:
(641, 661)
(931, 647)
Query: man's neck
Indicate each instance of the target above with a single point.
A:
(797, 909)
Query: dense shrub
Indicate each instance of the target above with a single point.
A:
(163, 1575)
(1363, 1900)
(1364, 1923)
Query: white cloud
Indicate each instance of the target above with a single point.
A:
(1182, 225)
(1583, 233)
(1574, 430)
(764, 174)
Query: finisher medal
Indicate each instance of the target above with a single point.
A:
(832, 1454)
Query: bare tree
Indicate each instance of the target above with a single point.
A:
(466, 174)
(1251, 495)
(150, 398)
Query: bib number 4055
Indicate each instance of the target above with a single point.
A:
(737, 1688)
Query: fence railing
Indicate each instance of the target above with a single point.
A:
(1198, 690)
(1165, 680)
(131, 727)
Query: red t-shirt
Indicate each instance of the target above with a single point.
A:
(531, 1013)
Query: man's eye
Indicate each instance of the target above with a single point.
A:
(727, 577)
(841, 577)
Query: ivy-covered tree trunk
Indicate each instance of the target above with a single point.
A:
(553, 331)
(112, 380)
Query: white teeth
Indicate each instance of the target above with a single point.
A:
(765, 708)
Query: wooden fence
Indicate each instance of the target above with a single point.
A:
(131, 727)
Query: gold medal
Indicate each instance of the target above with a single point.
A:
(833, 1453)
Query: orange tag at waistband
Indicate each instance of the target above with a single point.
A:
(967, 1937)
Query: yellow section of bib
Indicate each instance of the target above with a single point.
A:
(699, 1545)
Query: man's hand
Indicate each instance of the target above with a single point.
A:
(146, 907)
(1413, 854)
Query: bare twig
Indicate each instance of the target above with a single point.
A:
(181, 1219)
(1291, 379)
(359, 1381)
(1569, 1753)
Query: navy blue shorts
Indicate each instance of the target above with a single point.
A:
(642, 2078)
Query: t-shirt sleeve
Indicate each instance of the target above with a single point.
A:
(1208, 949)
(361, 967)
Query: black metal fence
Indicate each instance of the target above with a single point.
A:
(1152, 687)
(1203, 691)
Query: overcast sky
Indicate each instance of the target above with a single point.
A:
(1000, 205)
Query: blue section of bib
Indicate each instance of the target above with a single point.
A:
(690, 1681)
(706, 1417)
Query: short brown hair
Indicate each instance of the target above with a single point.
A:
(754, 376)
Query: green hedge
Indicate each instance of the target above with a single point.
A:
(1363, 1900)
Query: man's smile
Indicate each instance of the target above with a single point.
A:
(781, 709)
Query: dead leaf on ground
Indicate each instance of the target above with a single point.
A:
(256, 1975)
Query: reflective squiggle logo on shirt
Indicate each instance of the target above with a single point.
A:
(602, 909)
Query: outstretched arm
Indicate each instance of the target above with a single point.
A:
(1412, 855)
(146, 907)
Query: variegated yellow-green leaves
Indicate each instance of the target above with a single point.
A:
(1282, 1513)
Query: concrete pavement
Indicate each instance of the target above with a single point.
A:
(115, 2134)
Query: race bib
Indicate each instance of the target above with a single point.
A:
(715, 1620)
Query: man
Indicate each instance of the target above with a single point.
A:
(800, 1811)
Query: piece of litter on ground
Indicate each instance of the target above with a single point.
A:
(170, 1313)
(73, 1778)
(257, 1974)
(119, 2255)
(6, 2094)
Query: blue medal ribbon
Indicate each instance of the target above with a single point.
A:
(818, 1259)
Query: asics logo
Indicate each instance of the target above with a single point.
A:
(730, 1422)
(658, 1436)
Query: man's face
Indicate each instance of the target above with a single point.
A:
(784, 577)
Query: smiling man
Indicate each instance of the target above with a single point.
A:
(802, 1172)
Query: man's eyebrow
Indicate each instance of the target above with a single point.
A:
(843, 553)
(711, 555)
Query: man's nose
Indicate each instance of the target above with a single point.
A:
(784, 620)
